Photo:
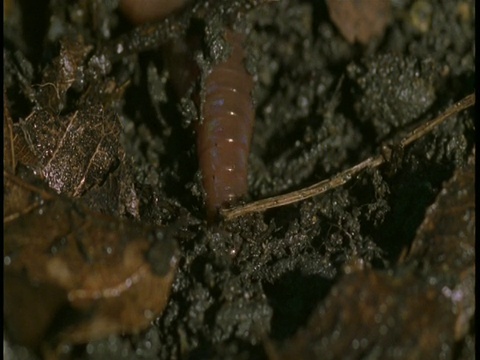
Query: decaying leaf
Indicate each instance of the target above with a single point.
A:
(65, 71)
(76, 151)
(259, 276)
(78, 275)
(360, 20)
(445, 245)
(379, 314)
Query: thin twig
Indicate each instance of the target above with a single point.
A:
(345, 176)
(427, 127)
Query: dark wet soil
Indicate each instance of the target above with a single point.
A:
(244, 289)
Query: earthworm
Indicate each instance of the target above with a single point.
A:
(225, 130)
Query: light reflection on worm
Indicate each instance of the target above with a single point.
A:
(224, 135)
(227, 115)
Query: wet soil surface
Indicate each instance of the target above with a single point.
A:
(353, 273)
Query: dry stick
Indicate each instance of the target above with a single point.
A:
(345, 176)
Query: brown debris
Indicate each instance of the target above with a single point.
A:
(360, 20)
(149, 10)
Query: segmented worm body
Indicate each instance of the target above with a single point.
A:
(225, 130)
(226, 109)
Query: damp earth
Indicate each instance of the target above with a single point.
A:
(100, 135)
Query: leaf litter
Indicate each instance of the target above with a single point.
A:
(245, 286)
